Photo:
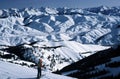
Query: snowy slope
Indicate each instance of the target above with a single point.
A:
(67, 53)
(12, 71)
(56, 55)
(101, 65)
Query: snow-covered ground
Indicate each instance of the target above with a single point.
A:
(13, 71)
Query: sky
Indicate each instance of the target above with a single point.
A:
(4, 4)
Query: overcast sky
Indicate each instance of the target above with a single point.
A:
(57, 3)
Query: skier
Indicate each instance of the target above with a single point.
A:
(39, 68)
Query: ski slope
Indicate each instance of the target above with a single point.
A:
(13, 71)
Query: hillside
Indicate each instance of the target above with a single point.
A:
(55, 55)
(101, 65)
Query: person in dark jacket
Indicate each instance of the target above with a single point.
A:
(39, 68)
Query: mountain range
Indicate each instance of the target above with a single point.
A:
(87, 26)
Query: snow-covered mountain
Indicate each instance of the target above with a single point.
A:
(114, 11)
(89, 26)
